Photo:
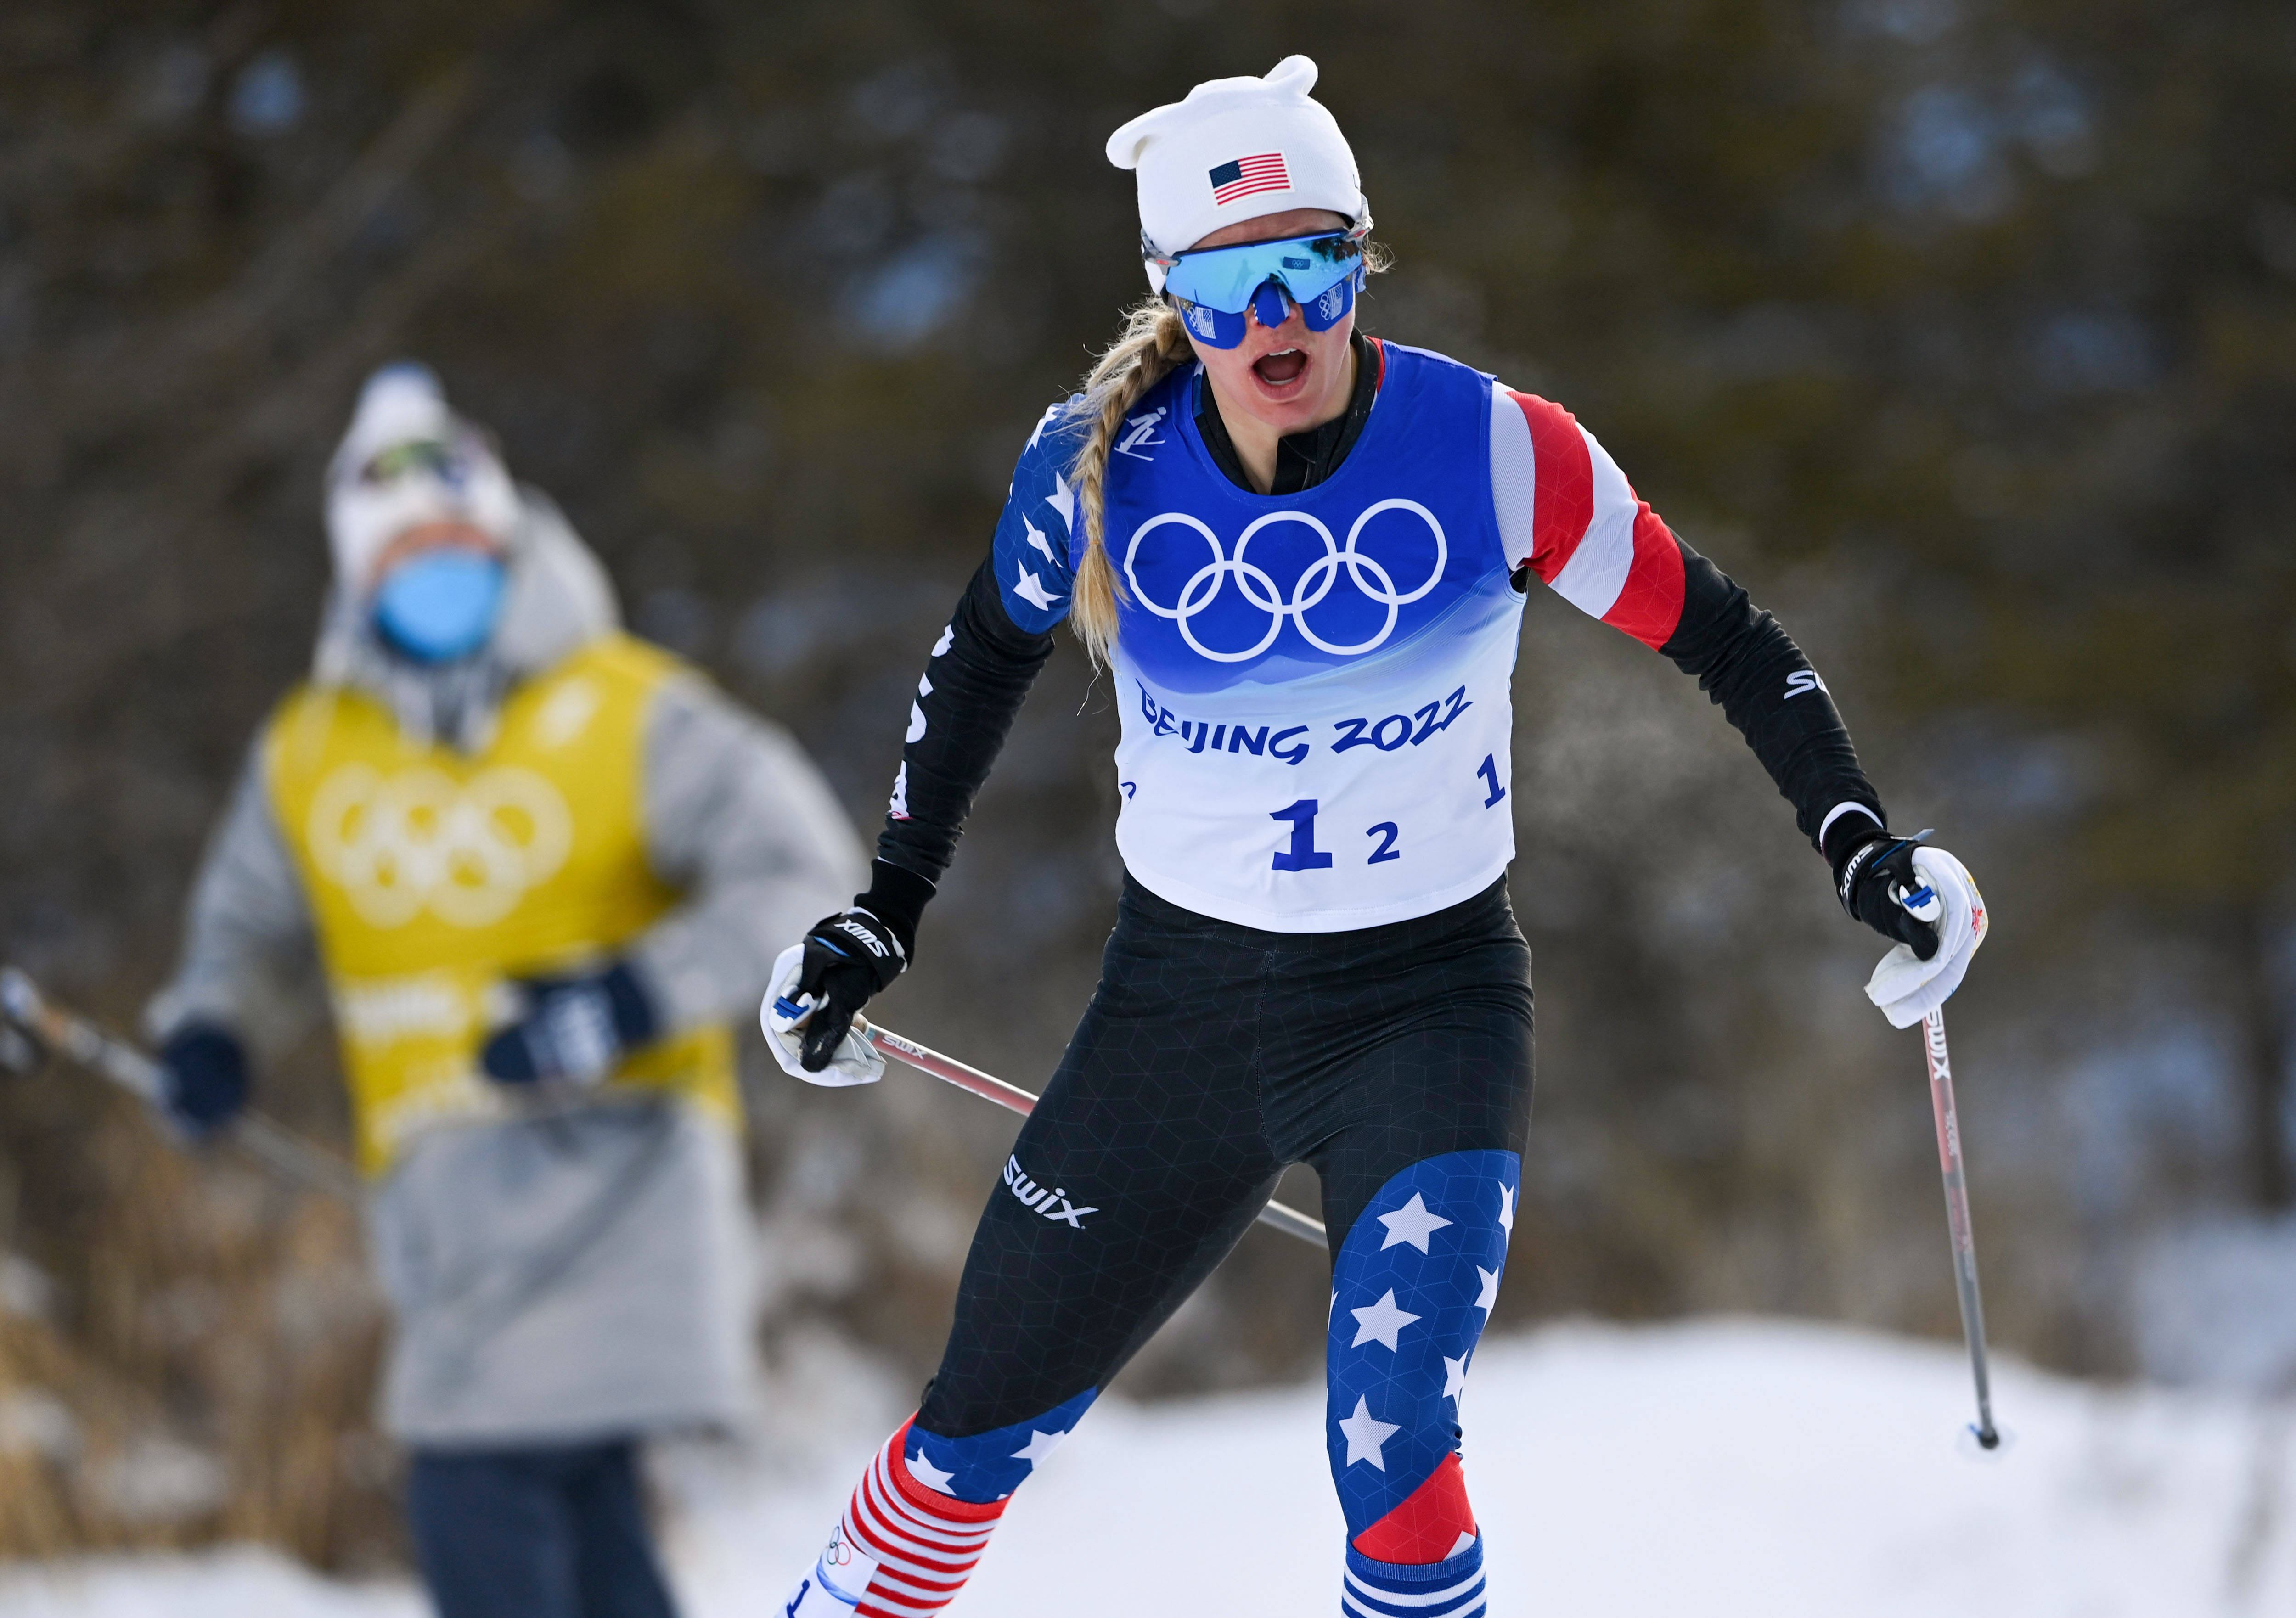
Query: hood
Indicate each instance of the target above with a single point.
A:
(559, 600)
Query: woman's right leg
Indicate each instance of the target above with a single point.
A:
(1141, 1167)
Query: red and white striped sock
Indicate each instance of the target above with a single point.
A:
(901, 1550)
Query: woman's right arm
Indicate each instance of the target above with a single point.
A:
(975, 680)
(977, 676)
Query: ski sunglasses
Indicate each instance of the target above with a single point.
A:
(1216, 286)
(448, 463)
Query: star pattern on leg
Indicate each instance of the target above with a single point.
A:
(1381, 1322)
(1365, 1433)
(1039, 1445)
(1490, 1295)
(1455, 1377)
(1412, 1222)
(931, 1476)
(1506, 1208)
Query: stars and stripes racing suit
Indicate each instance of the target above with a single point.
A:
(1314, 959)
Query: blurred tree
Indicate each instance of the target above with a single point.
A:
(1964, 329)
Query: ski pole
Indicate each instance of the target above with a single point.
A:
(106, 1053)
(925, 1059)
(1956, 1215)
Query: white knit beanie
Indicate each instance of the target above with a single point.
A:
(1236, 149)
(404, 403)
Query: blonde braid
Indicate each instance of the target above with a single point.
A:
(1155, 342)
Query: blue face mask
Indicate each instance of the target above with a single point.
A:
(440, 605)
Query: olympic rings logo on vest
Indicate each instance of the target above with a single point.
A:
(418, 840)
(1373, 585)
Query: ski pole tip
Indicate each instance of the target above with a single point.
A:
(1983, 1442)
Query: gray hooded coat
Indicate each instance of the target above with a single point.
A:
(584, 1275)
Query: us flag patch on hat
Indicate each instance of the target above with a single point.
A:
(1246, 175)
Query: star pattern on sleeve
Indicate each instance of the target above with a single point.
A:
(1031, 589)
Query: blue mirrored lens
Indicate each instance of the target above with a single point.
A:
(1225, 278)
(1220, 330)
(1322, 314)
(1213, 326)
(440, 605)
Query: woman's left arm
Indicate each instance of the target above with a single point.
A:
(1570, 516)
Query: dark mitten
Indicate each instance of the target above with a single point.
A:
(205, 1069)
(575, 1029)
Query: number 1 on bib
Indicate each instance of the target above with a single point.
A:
(1303, 854)
(1489, 770)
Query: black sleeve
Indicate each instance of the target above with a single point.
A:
(1745, 661)
(974, 684)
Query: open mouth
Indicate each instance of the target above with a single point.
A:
(1280, 369)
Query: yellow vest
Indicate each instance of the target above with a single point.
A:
(434, 878)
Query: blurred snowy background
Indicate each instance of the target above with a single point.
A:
(1733, 1469)
(1964, 329)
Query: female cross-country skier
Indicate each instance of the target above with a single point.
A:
(1302, 554)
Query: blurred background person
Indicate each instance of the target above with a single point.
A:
(541, 863)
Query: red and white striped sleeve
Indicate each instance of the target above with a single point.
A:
(1567, 513)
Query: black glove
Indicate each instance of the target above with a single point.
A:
(1872, 870)
(575, 1030)
(855, 954)
(203, 1067)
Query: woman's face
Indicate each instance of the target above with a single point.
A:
(1288, 378)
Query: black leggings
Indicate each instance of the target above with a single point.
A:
(1213, 1056)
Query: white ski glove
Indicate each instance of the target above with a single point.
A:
(783, 1016)
(1905, 986)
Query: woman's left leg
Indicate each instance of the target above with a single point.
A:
(1421, 1137)
(1412, 1287)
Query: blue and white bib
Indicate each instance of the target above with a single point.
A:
(1314, 686)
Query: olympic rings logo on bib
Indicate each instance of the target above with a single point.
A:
(418, 840)
(1365, 575)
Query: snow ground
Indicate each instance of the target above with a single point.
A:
(1715, 1469)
